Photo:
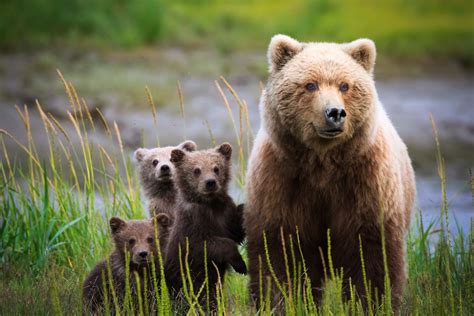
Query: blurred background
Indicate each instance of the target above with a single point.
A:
(111, 49)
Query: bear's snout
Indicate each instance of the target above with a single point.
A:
(163, 172)
(165, 169)
(211, 185)
(141, 256)
(334, 119)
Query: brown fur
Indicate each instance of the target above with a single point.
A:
(159, 186)
(204, 215)
(298, 179)
(143, 234)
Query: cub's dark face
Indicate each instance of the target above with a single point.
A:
(137, 237)
(155, 165)
(204, 174)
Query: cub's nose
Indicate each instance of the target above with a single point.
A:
(211, 184)
(335, 117)
(143, 254)
(165, 169)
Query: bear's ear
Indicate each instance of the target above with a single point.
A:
(363, 51)
(282, 49)
(117, 224)
(188, 145)
(177, 156)
(140, 154)
(226, 150)
(163, 219)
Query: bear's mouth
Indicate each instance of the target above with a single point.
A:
(140, 261)
(165, 177)
(210, 191)
(330, 133)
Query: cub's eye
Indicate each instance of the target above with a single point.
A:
(197, 171)
(216, 170)
(155, 162)
(312, 86)
(131, 241)
(344, 87)
(150, 240)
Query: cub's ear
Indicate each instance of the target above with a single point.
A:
(363, 51)
(226, 150)
(140, 154)
(163, 219)
(281, 50)
(117, 224)
(188, 145)
(177, 156)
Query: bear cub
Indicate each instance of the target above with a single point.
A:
(137, 237)
(157, 176)
(206, 213)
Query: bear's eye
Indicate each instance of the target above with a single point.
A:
(197, 171)
(343, 87)
(150, 240)
(312, 86)
(216, 170)
(155, 162)
(131, 241)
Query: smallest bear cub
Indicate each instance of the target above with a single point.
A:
(137, 237)
(206, 213)
(157, 176)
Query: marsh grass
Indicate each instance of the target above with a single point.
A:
(54, 228)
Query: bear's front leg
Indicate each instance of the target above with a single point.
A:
(224, 250)
(259, 267)
(347, 255)
(234, 223)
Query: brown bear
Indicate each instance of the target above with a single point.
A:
(137, 237)
(327, 157)
(157, 176)
(207, 214)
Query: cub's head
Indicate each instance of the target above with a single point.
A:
(156, 170)
(138, 237)
(319, 94)
(203, 175)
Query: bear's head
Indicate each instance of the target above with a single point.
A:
(137, 237)
(203, 175)
(319, 94)
(156, 170)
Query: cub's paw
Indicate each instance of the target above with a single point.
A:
(239, 266)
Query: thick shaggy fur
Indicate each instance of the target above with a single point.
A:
(204, 215)
(299, 180)
(142, 232)
(157, 176)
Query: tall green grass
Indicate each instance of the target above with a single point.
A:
(55, 210)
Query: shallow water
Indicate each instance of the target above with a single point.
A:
(408, 100)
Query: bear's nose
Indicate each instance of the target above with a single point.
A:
(143, 254)
(335, 117)
(165, 168)
(211, 184)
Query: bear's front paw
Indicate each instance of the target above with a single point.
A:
(239, 266)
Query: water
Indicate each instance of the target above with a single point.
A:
(116, 85)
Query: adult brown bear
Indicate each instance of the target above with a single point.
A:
(327, 157)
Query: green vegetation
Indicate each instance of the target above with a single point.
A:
(54, 227)
(401, 28)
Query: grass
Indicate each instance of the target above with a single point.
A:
(401, 28)
(55, 210)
